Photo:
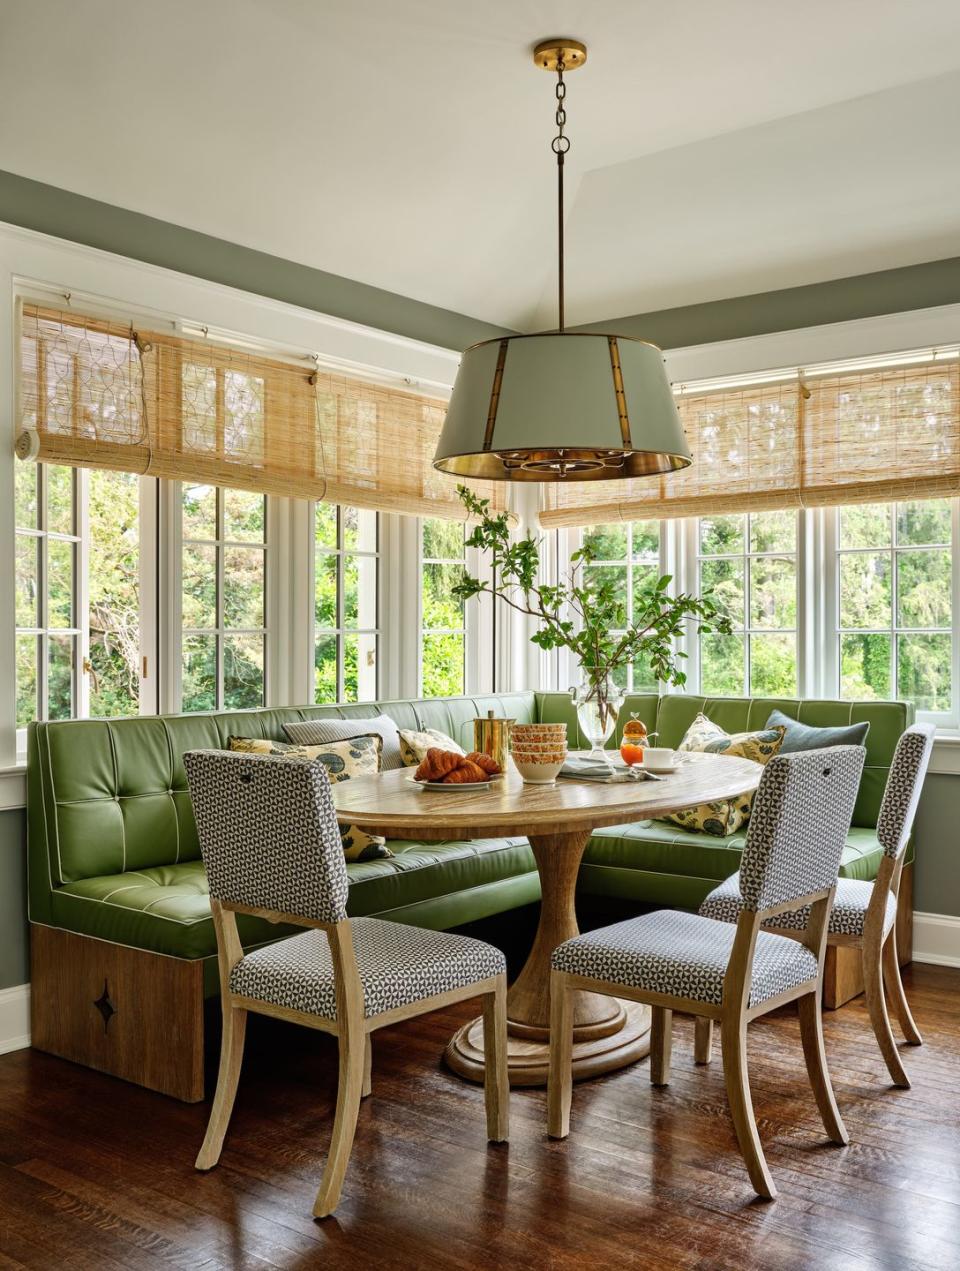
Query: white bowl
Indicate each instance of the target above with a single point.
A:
(537, 774)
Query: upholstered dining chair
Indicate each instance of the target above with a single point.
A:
(864, 913)
(271, 847)
(707, 968)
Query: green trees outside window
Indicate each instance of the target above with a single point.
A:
(895, 606)
(748, 568)
(628, 556)
(346, 624)
(223, 595)
(442, 615)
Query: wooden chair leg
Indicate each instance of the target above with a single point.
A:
(228, 1077)
(703, 1040)
(811, 1034)
(367, 1088)
(496, 1077)
(349, 1089)
(894, 985)
(877, 1008)
(661, 1045)
(733, 1043)
(560, 1077)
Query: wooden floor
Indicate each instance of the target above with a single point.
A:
(95, 1173)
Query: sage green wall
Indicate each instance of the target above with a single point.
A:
(13, 898)
(840, 300)
(50, 210)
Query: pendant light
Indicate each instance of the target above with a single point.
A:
(561, 405)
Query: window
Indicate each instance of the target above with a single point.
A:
(628, 556)
(223, 591)
(46, 592)
(747, 565)
(442, 617)
(113, 551)
(895, 603)
(346, 582)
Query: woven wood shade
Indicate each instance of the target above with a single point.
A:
(99, 394)
(881, 435)
(745, 456)
(854, 437)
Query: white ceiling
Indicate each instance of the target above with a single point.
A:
(718, 148)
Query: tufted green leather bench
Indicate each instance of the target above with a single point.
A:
(123, 946)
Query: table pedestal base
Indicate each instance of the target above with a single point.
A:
(528, 1057)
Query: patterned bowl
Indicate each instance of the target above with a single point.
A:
(536, 773)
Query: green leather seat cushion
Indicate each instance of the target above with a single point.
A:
(651, 861)
(166, 909)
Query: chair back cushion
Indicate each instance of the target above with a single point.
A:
(268, 833)
(904, 784)
(801, 816)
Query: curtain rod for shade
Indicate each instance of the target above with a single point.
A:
(85, 304)
(791, 374)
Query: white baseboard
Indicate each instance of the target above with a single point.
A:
(936, 939)
(14, 1018)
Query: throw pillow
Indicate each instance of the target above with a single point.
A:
(316, 732)
(724, 816)
(415, 744)
(352, 757)
(806, 737)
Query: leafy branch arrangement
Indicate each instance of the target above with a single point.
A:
(583, 613)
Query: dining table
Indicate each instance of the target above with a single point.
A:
(557, 820)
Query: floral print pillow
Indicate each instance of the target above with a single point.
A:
(725, 816)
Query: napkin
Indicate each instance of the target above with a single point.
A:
(586, 768)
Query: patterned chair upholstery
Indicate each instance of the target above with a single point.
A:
(864, 913)
(272, 847)
(686, 955)
(397, 965)
(729, 973)
(270, 840)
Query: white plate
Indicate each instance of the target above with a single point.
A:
(661, 771)
(455, 785)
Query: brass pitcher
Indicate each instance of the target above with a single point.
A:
(492, 737)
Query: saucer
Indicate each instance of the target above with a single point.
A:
(661, 770)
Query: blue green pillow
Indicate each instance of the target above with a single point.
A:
(806, 737)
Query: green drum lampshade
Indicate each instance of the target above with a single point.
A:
(562, 405)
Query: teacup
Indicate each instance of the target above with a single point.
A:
(660, 757)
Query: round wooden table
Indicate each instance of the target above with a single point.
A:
(558, 821)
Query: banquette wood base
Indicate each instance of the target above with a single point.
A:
(843, 969)
(127, 1012)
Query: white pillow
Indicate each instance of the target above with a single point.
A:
(317, 732)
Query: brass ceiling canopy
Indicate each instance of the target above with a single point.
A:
(561, 405)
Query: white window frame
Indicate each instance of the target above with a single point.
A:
(748, 630)
(147, 696)
(340, 631)
(221, 633)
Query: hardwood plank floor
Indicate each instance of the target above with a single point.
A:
(95, 1173)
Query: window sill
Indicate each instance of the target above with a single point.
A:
(13, 786)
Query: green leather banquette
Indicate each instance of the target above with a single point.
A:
(122, 938)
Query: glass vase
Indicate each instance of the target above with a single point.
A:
(598, 701)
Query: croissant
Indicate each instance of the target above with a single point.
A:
(467, 771)
(489, 766)
(436, 764)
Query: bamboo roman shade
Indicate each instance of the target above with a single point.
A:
(817, 439)
(100, 394)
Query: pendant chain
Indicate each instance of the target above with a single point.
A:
(560, 145)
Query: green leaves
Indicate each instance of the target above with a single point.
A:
(586, 612)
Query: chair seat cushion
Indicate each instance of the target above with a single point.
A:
(398, 965)
(167, 909)
(682, 955)
(847, 919)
